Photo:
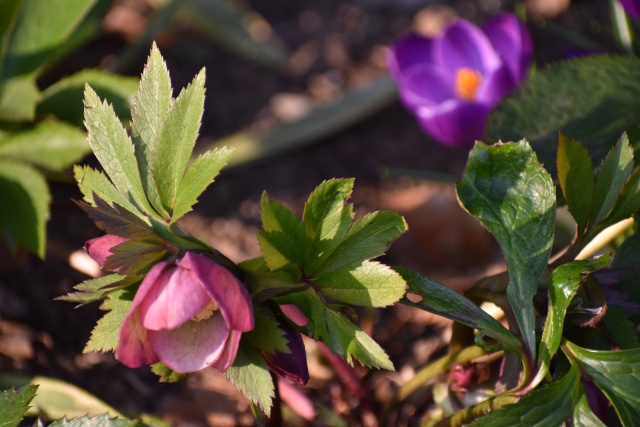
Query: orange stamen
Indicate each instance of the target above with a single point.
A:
(467, 82)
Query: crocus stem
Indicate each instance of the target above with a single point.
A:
(621, 27)
(478, 410)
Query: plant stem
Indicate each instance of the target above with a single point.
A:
(478, 410)
(621, 27)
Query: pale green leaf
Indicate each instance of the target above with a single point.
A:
(198, 177)
(368, 284)
(113, 148)
(98, 421)
(14, 404)
(592, 99)
(266, 335)
(63, 99)
(106, 333)
(91, 181)
(250, 374)
(369, 237)
(150, 107)
(50, 145)
(614, 173)
(563, 285)
(326, 220)
(583, 416)
(506, 188)
(575, 176)
(549, 406)
(25, 209)
(166, 374)
(280, 252)
(95, 289)
(18, 98)
(444, 301)
(176, 140)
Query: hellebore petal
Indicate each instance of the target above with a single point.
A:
(408, 51)
(229, 352)
(193, 346)
(463, 45)
(224, 289)
(100, 248)
(632, 7)
(455, 123)
(512, 41)
(172, 301)
(292, 365)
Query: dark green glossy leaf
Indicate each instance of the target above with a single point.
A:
(620, 328)
(548, 406)
(444, 301)
(627, 257)
(506, 188)
(26, 197)
(14, 404)
(628, 200)
(575, 176)
(583, 416)
(592, 99)
(563, 285)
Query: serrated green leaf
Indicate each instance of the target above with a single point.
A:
(575, 176)
(506, 188)
(117, 220)
(626, 257)
(198, 177)
(280, 252)
(176, 140)
(534, 409)
(51, 146)
(105, 335)
(135, 257)
(250, 374)
(368, 238)
(150, 107)
(63, 99)
(583, 416)
(99, 421)
(95, 289)
(592, 99)
(444, 301)
(166, 374)
(91, 181)
(277, 217)
(620, 328)
(628, 201)
(368, 284)
(283, 240)
(113, 148)
(617, 374)
(266, 335)
(14, 404)
(615, 171)
(26, 210)
(563, 285)
(337, 332)
(326, 220)
(264, 283)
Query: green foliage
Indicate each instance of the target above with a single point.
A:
(592, 99)
(98, 421)
(166, 374)
(14, 404)
(104, 336)
(266, 335)
(250, 374)
(575, 177)
(506, 188)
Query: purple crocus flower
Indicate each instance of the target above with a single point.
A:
(632, 7)
(452, 82)
(188, 314)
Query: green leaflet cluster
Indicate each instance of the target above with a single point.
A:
(506, 188)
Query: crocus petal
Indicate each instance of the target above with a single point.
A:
(632, 7)
(512, 41)
(463, 45)
(193, 346)
(228, 355)
(495, 87)
(100, 248)
(133, 348)
(455, 123)
(425, 85)
(407, 52)
(172, 301)
(224, 289)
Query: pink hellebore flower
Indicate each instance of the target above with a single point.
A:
(292, 365)
(100, 248)
(452, 82)
(189, 315)
(632, 7)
